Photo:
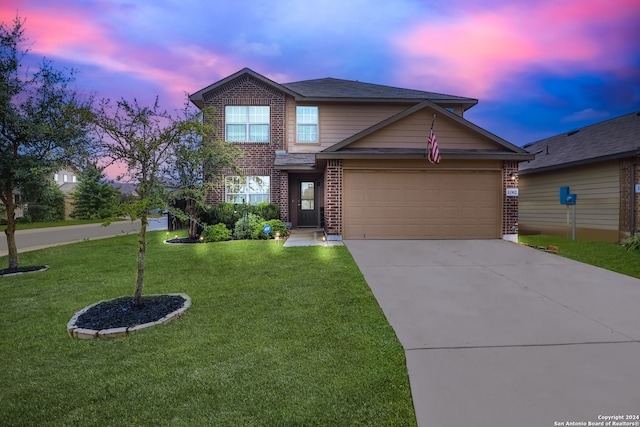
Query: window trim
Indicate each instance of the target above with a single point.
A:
(246, 195)
(316, 124)
(247, 124)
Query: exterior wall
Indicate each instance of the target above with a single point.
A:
(597, 210)
(333, 199)
(509, 203)
(413, 132)
(257, 158)
(337, 122)
(629, 199)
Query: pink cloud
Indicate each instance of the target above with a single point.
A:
(477, 51)
(79, 37)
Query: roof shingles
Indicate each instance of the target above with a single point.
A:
(615, 138)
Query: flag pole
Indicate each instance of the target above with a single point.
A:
(427, 151)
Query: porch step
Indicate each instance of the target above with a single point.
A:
(308, 237)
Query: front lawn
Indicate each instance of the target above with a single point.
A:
(602, 254)
(275, 337)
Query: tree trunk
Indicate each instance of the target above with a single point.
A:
(142, 248)
(193, 225)
(10, 231)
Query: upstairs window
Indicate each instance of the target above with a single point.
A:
(307, 124)
(247, 123)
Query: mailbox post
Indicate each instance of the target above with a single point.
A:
(566, 198)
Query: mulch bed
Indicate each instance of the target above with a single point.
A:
(184, 240)
(121, 313)
(19, 270)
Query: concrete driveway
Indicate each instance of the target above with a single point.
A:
(498, 334)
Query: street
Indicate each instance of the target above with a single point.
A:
(28, 240)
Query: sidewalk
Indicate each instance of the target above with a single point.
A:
(38, 238)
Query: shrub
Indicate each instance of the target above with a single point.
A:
(243, 227)
(216, 233)
(225, 213)
(632, 242)
(276, 225)
(46, 203)
(268, 211)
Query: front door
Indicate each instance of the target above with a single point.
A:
(307, 206)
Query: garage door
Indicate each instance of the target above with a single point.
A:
(421, 204)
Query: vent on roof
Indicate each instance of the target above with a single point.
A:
(573, 132)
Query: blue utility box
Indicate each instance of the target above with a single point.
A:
(566, 198)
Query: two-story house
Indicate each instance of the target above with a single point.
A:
(350, 157)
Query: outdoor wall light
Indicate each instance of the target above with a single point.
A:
(512, 176)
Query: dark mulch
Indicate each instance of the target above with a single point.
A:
(32, 269)
(184, 240)
(121, 313)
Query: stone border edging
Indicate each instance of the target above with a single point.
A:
(87, 334)
(44, 268)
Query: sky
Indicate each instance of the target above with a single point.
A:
(538, 67)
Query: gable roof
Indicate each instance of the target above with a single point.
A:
(198, 97)
(338, 89)
(505, 150)
(612, 139)
(330, 89)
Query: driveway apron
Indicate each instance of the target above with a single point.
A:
(497, 334)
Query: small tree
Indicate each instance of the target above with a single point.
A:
(44, 201)
(42, 123)
(200, 153)
(144, 139)
(94, 197)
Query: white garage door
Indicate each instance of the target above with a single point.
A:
(421, 204)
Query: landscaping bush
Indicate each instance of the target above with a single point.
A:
(216, 233)
(46, 204)
(276, 225)
(267, 211)
(225, 213)
(244, 226)
(632, 242)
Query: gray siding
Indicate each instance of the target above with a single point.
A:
(597, 187)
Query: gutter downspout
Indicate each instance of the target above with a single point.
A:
(632, 198)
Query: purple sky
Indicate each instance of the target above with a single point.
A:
(538, 67)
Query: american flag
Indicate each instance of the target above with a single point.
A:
(433, 153)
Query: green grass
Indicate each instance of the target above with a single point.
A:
(275, 337)
(32, 225)
(602, 254)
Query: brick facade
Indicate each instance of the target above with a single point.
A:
(257, 158)
(509, 204)
(333, 197)
(629, 167)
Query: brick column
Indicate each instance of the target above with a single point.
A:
(510, 204)
(333, 199)
(629, 200)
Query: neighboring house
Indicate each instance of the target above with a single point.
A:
(349, 157)
(601, 165)
(19, 210)
(125, 188)
(67, 180)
